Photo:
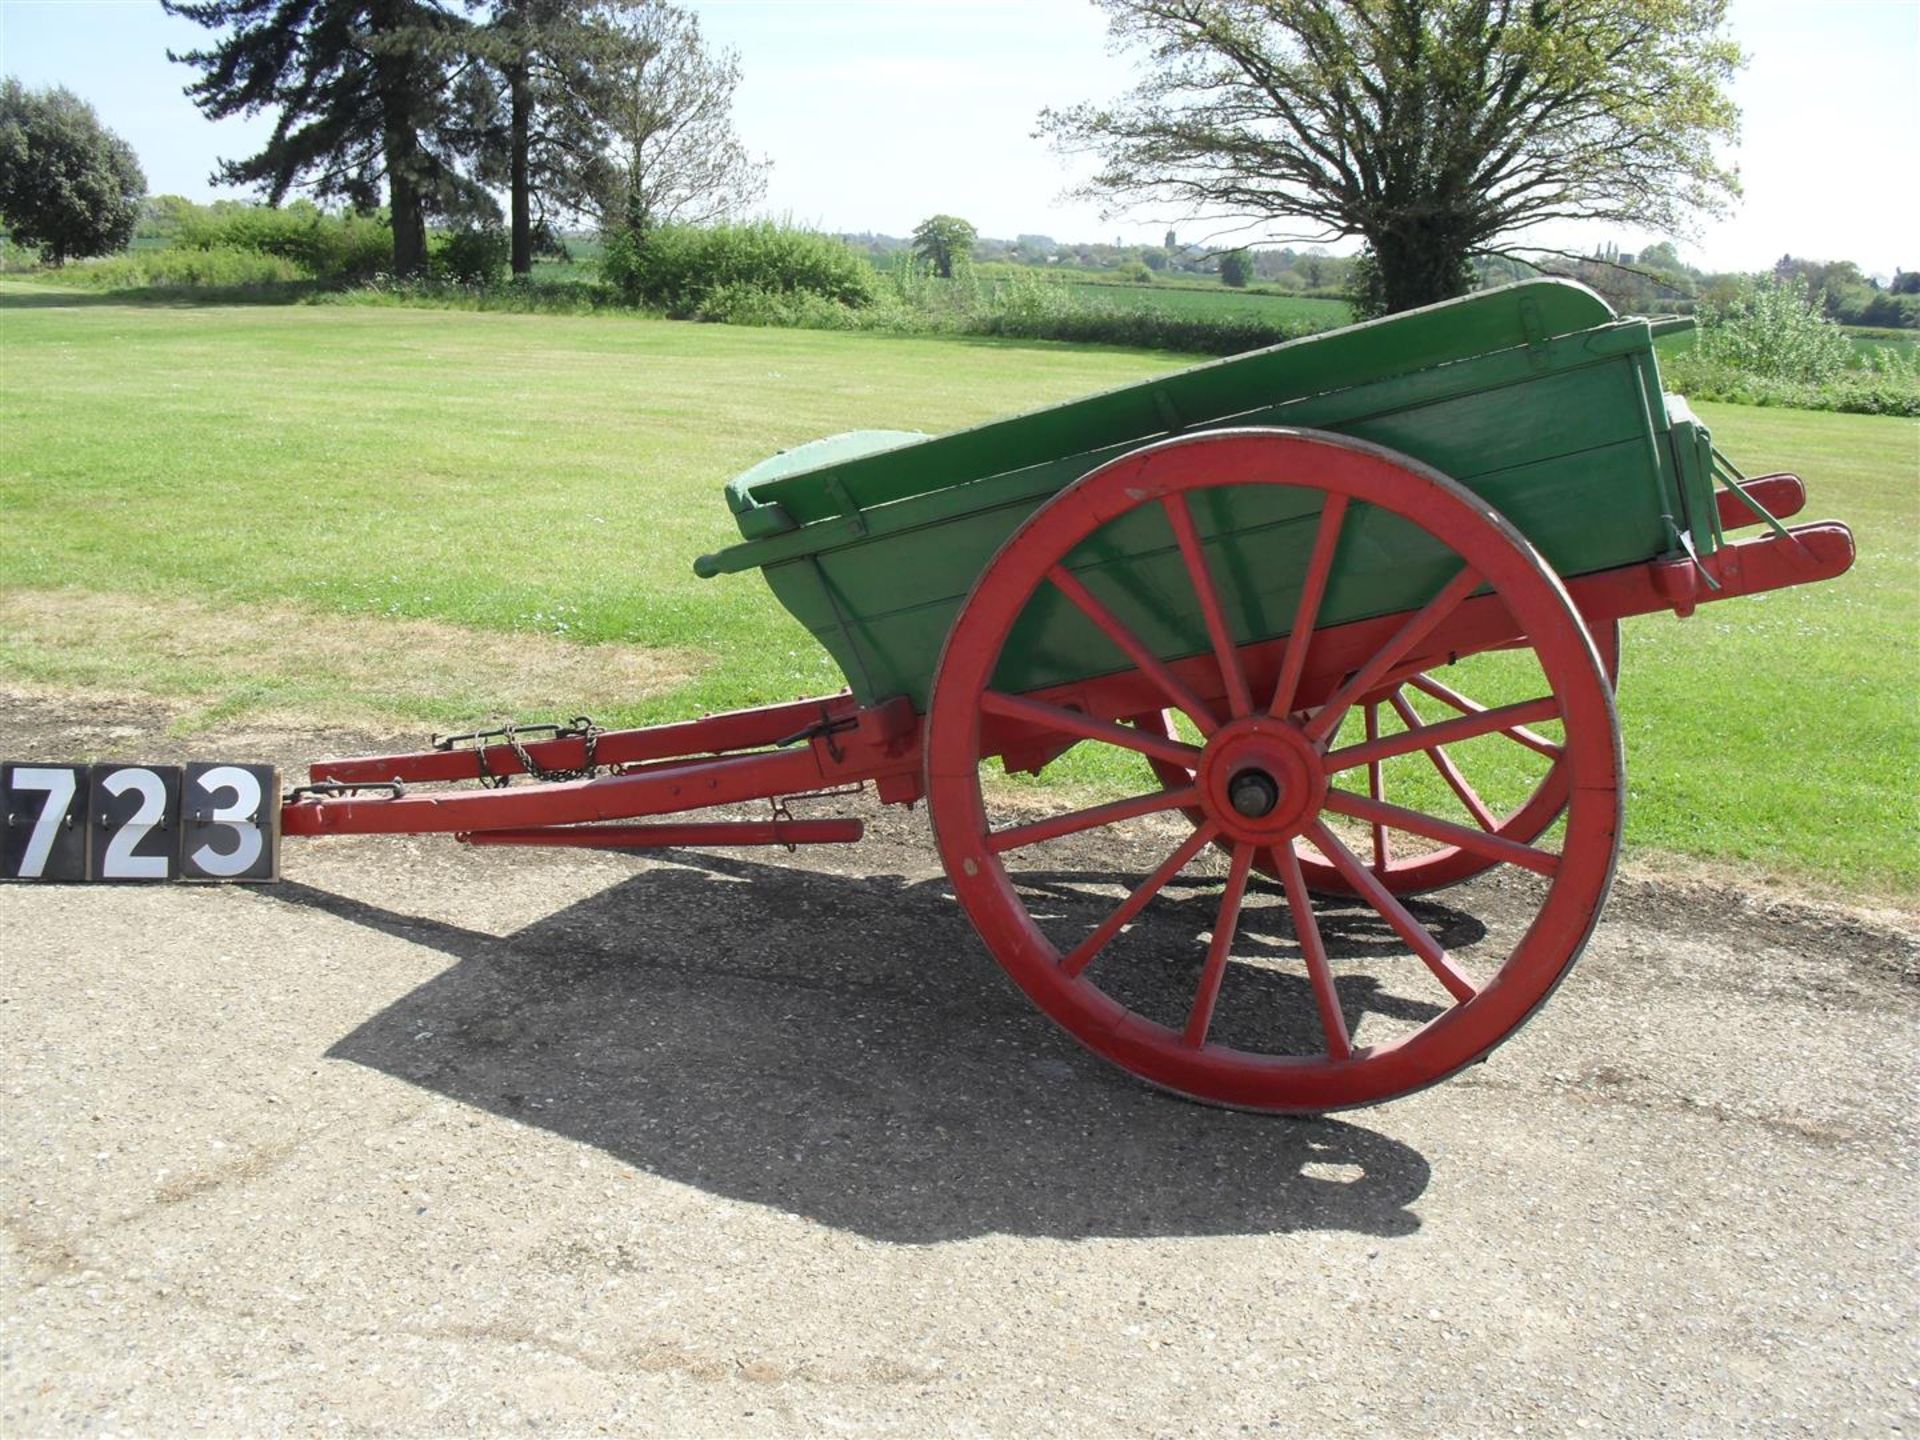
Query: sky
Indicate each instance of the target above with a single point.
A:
(879, 113)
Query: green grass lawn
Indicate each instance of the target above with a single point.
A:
(293, 478)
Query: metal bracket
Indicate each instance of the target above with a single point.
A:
(395, 789)
(1686, 541)
(827, 727)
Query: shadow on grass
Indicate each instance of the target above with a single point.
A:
(842, 1048)
(174, 297)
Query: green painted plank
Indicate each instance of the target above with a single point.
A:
(1563, 429)
(1492, 320)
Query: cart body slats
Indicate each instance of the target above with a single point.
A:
(1355, 355)
(1567, 434)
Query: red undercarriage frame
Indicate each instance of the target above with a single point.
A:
(811, 745)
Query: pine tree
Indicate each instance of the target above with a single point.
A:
(543, 141)
(363, 91)
(613, 111)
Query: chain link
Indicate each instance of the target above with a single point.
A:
(581, 728)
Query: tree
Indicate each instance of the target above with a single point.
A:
(539, 132)
(944, 241)
(1773, 327)
(363, 91)
(675, 156)
(1235, 269)
(1433, 130)
(68, 185)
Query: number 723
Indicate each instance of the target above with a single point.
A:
(204, 821)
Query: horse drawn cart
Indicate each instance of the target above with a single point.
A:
(1336, 622)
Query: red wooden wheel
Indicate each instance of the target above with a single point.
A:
(1176, 982)
(1523, 818)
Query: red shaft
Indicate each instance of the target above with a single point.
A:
(694, 786)
(693, 833)
(711, 735)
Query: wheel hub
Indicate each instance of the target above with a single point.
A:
(1261, 780)
(1253, 793)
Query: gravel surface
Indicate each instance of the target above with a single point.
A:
(429, 1140)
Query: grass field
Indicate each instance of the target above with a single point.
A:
(274, 509)
(1218, 300)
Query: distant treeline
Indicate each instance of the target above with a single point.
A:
(1311, 272)
(1657, 281)
(1654, 281)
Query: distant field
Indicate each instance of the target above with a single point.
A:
(1865, 342)
(261, 509)
(1904, 342)
(1216, 301)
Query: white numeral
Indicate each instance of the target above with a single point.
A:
(237, 818)
(58, 787)
(120, 862)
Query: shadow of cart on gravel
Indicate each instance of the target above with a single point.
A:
(842, 1048)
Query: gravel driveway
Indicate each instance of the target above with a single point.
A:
(427, 1140)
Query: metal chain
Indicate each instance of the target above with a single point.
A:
(581, 728)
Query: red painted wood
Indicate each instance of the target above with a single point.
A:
(687, 835)
(1180, 518)
(710, 735)
(1312, 587)
(1178, 692)
(968, 720)
(693, 786)
(1326, 997)
(1781, 496)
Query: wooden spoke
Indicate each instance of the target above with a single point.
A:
(1171, 685)
(1072, 722)
(1286, 861)
(1368, 886)
(1016, 837)
(1449, 772)
(1319, 566)
(1465, 706)
(1224, 926)
(1159, 999)
(1447, 732)
(1404, 639)
(1417, 822)
(1239, 698)
(1082, 954)
(1377, 788)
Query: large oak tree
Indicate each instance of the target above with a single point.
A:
(1432, 130)
(68, 185)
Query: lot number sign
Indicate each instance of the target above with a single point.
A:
(121, 823)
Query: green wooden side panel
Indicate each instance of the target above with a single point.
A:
(1359, 354)
(1560, 425)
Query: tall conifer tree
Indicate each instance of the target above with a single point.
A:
(361, 89)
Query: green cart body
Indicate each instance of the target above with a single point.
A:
(1534, 396)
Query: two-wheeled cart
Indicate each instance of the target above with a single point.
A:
(1337, 622)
